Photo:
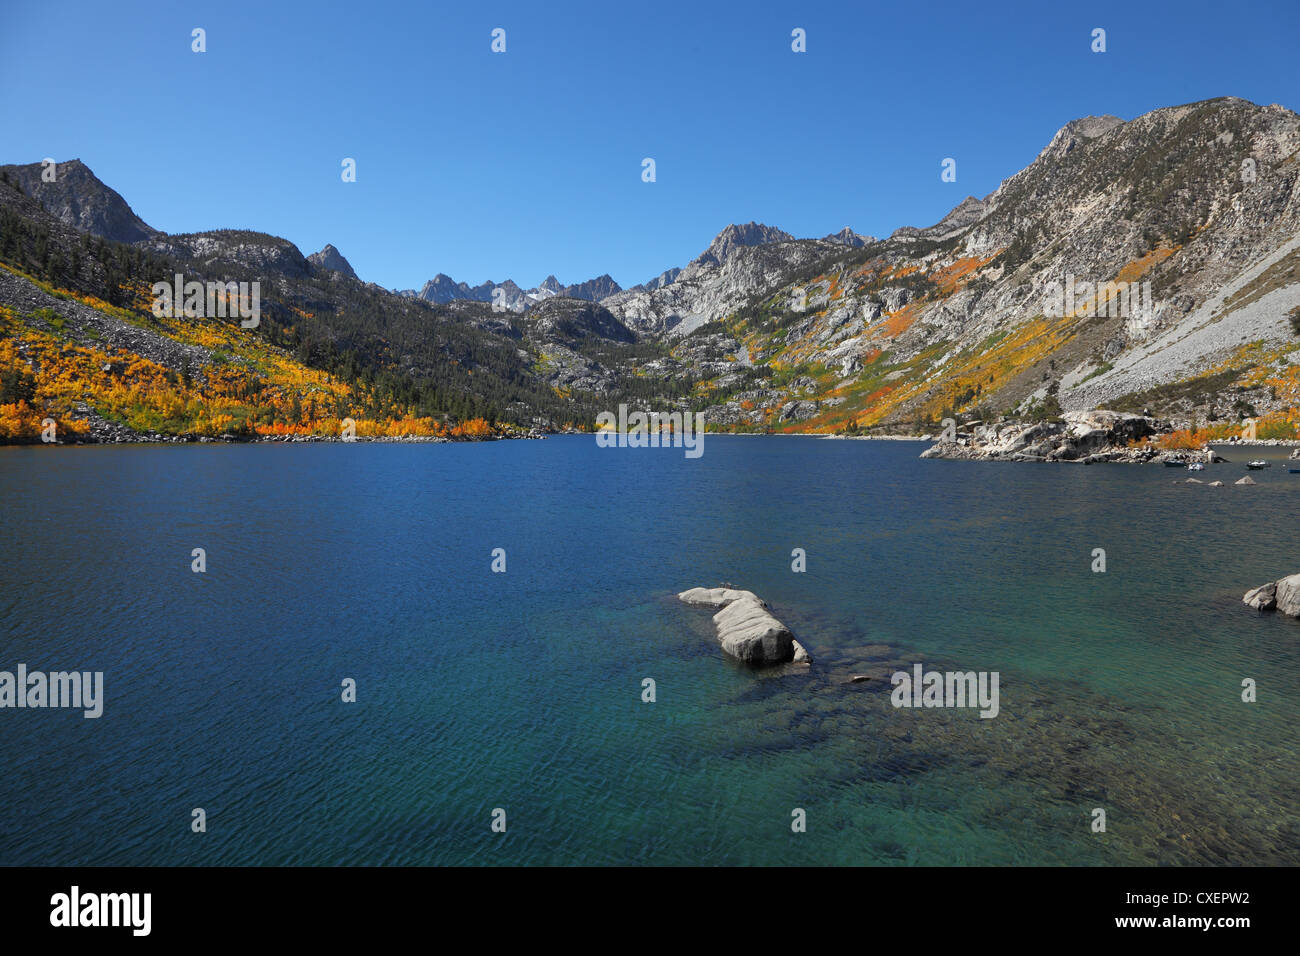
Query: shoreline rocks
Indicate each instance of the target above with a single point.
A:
(1281, 595)
(1089, 437)
(747, 630)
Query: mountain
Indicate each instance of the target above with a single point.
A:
(331, 259)
(77, 198)
(734, 237)
(741, 261)
(1176, 234)
(847, 237)
(80, 342)
(659, 281)
(1199, 205)
(442, 288)
(593, 289)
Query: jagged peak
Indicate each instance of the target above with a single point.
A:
(740, 234)
(847, 237)
(330, 258)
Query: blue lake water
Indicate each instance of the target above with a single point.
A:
(522, 691)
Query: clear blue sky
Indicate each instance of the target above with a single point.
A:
(515, 165)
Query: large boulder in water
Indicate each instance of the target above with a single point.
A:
(747, 630)
(750, 633)
(1288, 595)
(1262, 598)
(715, 597)
(1281, 595)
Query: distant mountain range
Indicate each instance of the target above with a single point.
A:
(1191, 212)
(443, 288)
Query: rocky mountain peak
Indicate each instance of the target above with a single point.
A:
(78, 198)
(734, 236)
(847, 237)
(330, 258)
(594, 289)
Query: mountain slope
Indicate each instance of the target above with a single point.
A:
(957, 317)
(78, 199)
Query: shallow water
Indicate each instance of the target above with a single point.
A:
(1119, 690)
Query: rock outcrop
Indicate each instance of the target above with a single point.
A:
(1085, 436)
(747, 630)
(1280, 595)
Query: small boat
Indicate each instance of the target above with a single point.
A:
(1175, 462)
(1196, 466)
(1294, 471)
(1258, 463)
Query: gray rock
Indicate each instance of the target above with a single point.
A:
(798, 411)
(746, 628)
(716, 597)
(1087, 436)
(1288, 595)
(749, 633)
(1262, 598)
(1245, 481)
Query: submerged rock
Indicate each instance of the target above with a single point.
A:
(747, 630)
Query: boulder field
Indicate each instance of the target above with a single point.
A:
(746, 627)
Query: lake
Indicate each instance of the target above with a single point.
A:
(522, 690)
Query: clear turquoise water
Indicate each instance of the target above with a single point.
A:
(523, 690)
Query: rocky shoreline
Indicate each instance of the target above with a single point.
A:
(1086, 437)
(106, 432)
